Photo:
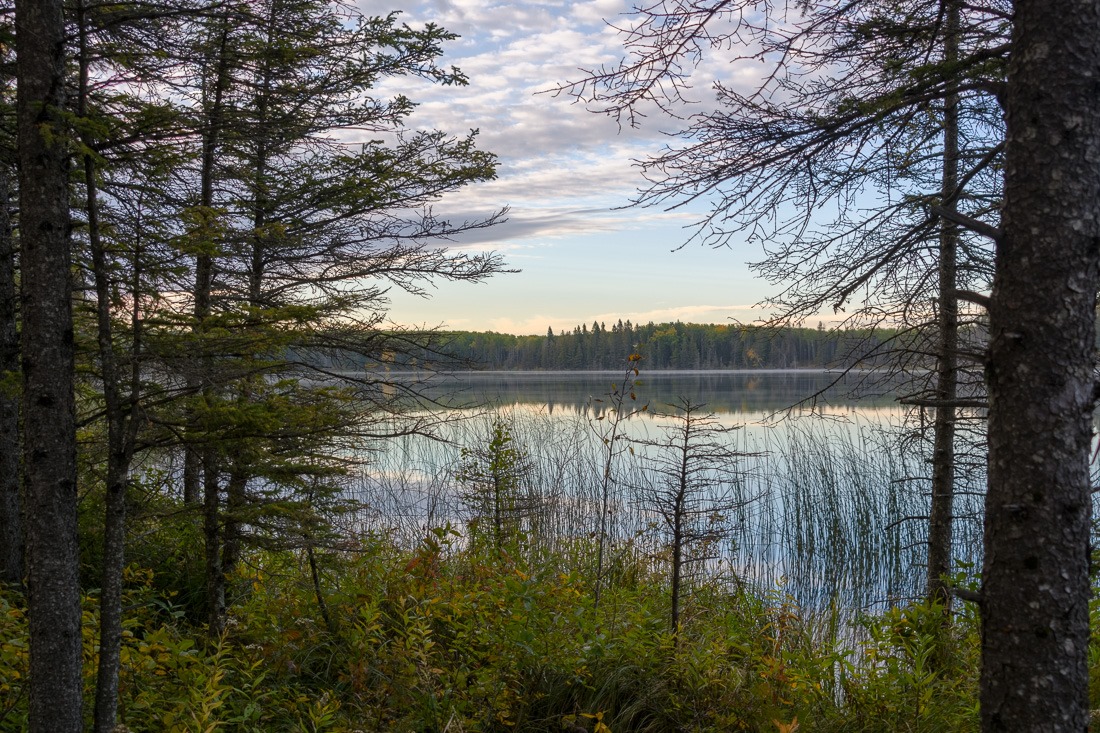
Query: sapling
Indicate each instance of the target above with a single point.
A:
(695, 470)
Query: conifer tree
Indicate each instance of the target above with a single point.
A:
(299, 239)
(494, 490)
(693, 490)
(1036, 579)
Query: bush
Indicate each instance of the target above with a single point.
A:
(454, 637)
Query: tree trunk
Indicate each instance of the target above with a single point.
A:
(316, 577)
(49, 445)
(215, 577)
(204, 278)
(940, 516)
(119, 448)
(235, 502)
(679, 517)
(677, 569)
(11, 505)
(1035, 621)
(192, 474)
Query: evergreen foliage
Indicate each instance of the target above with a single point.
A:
(693, 471)
(244, 195)
(493, 488)
(678, 346)
(202, 258)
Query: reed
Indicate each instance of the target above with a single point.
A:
(831, 513)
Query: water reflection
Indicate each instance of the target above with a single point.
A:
(829, 508)
(734, 393)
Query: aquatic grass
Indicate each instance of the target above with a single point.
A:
(832, 513)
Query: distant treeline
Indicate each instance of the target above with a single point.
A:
(669, 346)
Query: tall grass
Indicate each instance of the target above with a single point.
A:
(410, 626)
(832, 513)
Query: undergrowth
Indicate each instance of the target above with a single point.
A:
(454, 638)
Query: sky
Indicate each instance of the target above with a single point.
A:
(566, 175)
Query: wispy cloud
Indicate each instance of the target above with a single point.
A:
(551, 151)
(564, 172)
(530, 228)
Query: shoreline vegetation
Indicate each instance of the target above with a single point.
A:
(471, 608)
(484, 619)
(488, 623)
(662, 346)
(454, 636)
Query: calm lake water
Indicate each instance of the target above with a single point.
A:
(828, 493)
(750, 395)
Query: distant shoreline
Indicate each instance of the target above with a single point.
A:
(605, 372)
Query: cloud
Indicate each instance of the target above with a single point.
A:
(512, 51)
(687, 314)
(553, 152)
(527, 228)
(598, 11)
(563, 172)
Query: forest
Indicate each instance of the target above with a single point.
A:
(203, 207)
(677, 346)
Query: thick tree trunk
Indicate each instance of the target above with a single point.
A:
(11, 505)
(940, 517)
(1035, 622)
(49, 423)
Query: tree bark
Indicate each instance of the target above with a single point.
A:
(192, 474)
(11, 504)
(212, 533)
(316, 577)
(679, 519)
(1035, 623)
(49, 446)
(119, 442)
(236, 499)
(204, 278)
(940, 516)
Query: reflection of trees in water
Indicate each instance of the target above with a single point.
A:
(722, 392)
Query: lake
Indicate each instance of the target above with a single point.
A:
(825, 503)
(749, 394)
